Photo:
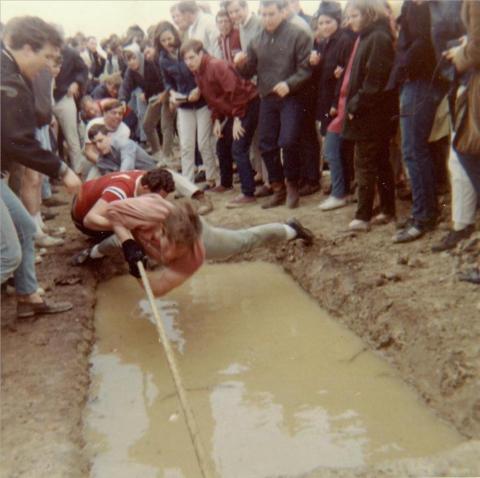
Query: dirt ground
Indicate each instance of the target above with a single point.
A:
(402, 300)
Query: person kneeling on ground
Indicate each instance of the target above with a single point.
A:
(89, 207)
(178, 239)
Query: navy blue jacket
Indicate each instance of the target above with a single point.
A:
(176, 76)
(150, 83)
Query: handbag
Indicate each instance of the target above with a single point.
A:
(467, 108)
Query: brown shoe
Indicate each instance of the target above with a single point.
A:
(29, 309)
(293, 195)
(220, 189)
(241, 201)
(263, 191)
(278, 197)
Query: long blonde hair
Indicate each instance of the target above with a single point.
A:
(371, 10)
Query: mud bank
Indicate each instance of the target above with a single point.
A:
(403, 301)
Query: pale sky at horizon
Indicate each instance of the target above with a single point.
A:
(105, 16)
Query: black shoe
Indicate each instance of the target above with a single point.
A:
(200, 177)
(302, 232)
(81, 257)
(453, 238)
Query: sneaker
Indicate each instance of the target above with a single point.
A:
(410, 233)
(302, 232)
(241, 201)
(55, 231)
(29, 309)
(357, 225)
(220, 189)
(332, 203)
(38, 259)
(44, 240)
(452, 239)
(81, 257)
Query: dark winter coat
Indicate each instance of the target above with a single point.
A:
(176, 76)
(334, 52)
(372, 106)
(18, 142)
(73, 70)
(150, 83)
(415, 57)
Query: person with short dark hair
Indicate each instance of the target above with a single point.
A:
(330, 59)
(117, 154)
(30, 44)
(201, 26)
(279, 57)
(234, 104)
(113, 112)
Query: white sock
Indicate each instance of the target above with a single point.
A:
(95, 253)
(290, 231)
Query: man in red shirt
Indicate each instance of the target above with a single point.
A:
(90, 206)
(234, 103)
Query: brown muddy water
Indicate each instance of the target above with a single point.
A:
(277, 387)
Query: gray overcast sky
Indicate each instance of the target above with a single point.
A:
(100, 18)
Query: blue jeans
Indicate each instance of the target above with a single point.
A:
(25, 277)
(332, 149)
(418, 105)
(471, 164)
(280, 127)
(239, 150)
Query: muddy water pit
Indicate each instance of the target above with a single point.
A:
(277, 387)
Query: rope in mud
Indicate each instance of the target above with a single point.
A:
(172, 365)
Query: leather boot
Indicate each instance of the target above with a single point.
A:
(278, 197)
(293, 194)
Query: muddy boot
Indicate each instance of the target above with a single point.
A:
(278, 197)
(293, 194)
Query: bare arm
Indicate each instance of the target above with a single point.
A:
(96, 219)
(91, 152)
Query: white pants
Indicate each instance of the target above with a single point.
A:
(65, 111)
(464, 197)
(196, 124)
